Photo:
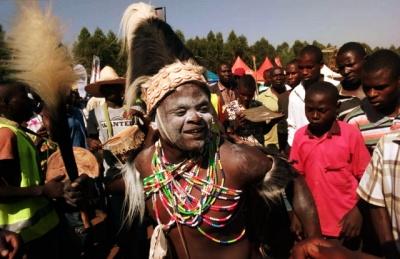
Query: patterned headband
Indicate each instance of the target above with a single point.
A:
(168, 79)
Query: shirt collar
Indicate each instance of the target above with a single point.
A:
(221, 87)
(372, 114)
(334, 130)
(397, 139)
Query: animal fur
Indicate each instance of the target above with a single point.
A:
(42, 62)
(151, 44)
(134, 195)
(275, 181)
(39, 59)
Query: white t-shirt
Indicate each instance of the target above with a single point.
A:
(97, 122)
(296, 111)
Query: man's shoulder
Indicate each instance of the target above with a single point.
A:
(266, 97)
(391, 138)
(142, 161)
(297, 92)
(244, 163)
(214, 88)
(355, 113)
(7, 143)
(301, 133)
(349, 129)
(6, 134)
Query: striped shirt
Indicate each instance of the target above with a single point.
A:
(380, 184)
(372, 124)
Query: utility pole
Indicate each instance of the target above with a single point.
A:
(161, 13)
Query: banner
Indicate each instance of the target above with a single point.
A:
(161, 13)
(95, 75)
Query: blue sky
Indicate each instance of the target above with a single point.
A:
(375, 22)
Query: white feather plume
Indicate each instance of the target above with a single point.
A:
(133, 16)
(39, 59)
(134, 205)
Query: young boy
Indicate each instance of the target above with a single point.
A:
(240, 129)
(332, 156)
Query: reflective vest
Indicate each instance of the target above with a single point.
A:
(30, 217)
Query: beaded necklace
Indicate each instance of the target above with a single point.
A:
(172, 184)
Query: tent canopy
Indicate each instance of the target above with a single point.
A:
(264, 66)
(240, 64)
(211, 77)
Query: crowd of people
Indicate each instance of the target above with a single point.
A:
(188, 169)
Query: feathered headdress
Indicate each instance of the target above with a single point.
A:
(158, 61)
(41, 61)
(39, 58)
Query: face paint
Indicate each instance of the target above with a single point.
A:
(184, 118)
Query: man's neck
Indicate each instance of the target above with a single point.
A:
(322, 130)
(172, 154)
(306, 85)
(277, 90)
(226, 85)
(359, 93)
(349, 86)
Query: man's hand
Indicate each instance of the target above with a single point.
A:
(351, 223)
(240, 119)
(94, 144)
(81, 192)
(10, 244)
(295, 226)
(54, 188)
(319, 248)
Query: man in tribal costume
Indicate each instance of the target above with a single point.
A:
(199, 187)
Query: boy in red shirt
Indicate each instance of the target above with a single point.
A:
(332, 156)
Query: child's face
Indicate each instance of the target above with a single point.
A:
(245, 95)
(320, 111)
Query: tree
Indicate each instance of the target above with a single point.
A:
(180, 35)
(81, 49)
(318, 44)
(298, 46)
(106, 47)
(368, 49)
(285, 53)
(261, 49)
(237, 46)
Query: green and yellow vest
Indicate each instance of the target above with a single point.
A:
(30, 217)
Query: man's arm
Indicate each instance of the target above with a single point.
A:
(304, 208)
(52, 189)
(10, 174)
(383, 227)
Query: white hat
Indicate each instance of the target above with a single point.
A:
(108, 76)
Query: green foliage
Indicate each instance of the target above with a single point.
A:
(107, 47)
(210, 51)
(180, 35)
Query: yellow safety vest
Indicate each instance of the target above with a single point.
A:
(215, 102)
(30, 217)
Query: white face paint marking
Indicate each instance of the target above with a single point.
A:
(184, 118)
